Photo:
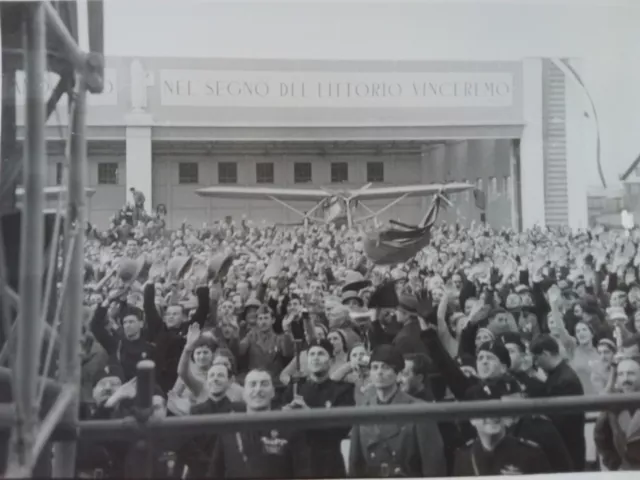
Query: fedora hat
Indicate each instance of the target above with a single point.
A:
(273, 269)
(219, 266)
(129, 269)
(178, 266)
(354, 281)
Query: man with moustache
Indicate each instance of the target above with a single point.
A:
(494, 451)
(617, 433)
(317, 390)
(259, 453)
(410, 450)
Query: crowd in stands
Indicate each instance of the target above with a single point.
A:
(242, 317)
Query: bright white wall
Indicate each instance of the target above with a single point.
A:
(603, 34)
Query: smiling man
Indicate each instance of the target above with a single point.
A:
(617, 435)
(259, 453)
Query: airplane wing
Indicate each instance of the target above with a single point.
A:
(410, 191)
(259, 193)
(52, 193)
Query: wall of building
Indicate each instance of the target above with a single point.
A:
(107, 157)
(603, 34)
(484, 163)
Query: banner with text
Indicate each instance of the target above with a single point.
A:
(108, 98)
(270, 89)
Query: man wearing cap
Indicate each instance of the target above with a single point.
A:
(94, 457)
(385, 326)
(617, 433)
(494, 451)
(411, 450)
(536, 428)
(129, 347)
(317, 390)
(492, 361)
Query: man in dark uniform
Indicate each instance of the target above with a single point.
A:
(536, 428)
(414, 381)
(562, 380)
(494, 451)
(260, 453)
(393, 450)
(318, 391)
(196, 452)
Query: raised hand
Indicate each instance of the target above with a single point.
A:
(192, 334)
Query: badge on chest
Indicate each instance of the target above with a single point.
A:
(274, 445)
(510, 470)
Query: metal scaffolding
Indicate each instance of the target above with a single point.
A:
(29, 435)
(61, 424)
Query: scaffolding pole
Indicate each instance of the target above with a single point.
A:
(69, 368)
(32, 254)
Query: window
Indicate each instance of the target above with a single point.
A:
(107, 173)
(227, 172)
(264, 172)
(302, 172)
(187, 173)
(339, 172)
(59, 173)
(375, 172)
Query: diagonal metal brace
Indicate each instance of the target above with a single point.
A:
(89, 65)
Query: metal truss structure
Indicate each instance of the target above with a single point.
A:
(28, 329)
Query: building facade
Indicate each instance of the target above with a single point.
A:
(169, 126)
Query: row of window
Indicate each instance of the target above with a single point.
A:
(188, 173)
(265, 172)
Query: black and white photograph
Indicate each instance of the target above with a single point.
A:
(319, 239)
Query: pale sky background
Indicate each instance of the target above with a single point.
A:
(605, 34)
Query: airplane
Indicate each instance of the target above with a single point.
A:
(338, 206)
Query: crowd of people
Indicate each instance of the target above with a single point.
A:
(247, 318)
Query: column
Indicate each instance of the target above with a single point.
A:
(532, 145)
(581, 141)
(427, 167)
(139, 162)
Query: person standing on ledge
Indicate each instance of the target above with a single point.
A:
(138, 204)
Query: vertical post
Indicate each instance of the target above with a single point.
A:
(71, 327)
(32, 233)
(514, 174)
(145, 387)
